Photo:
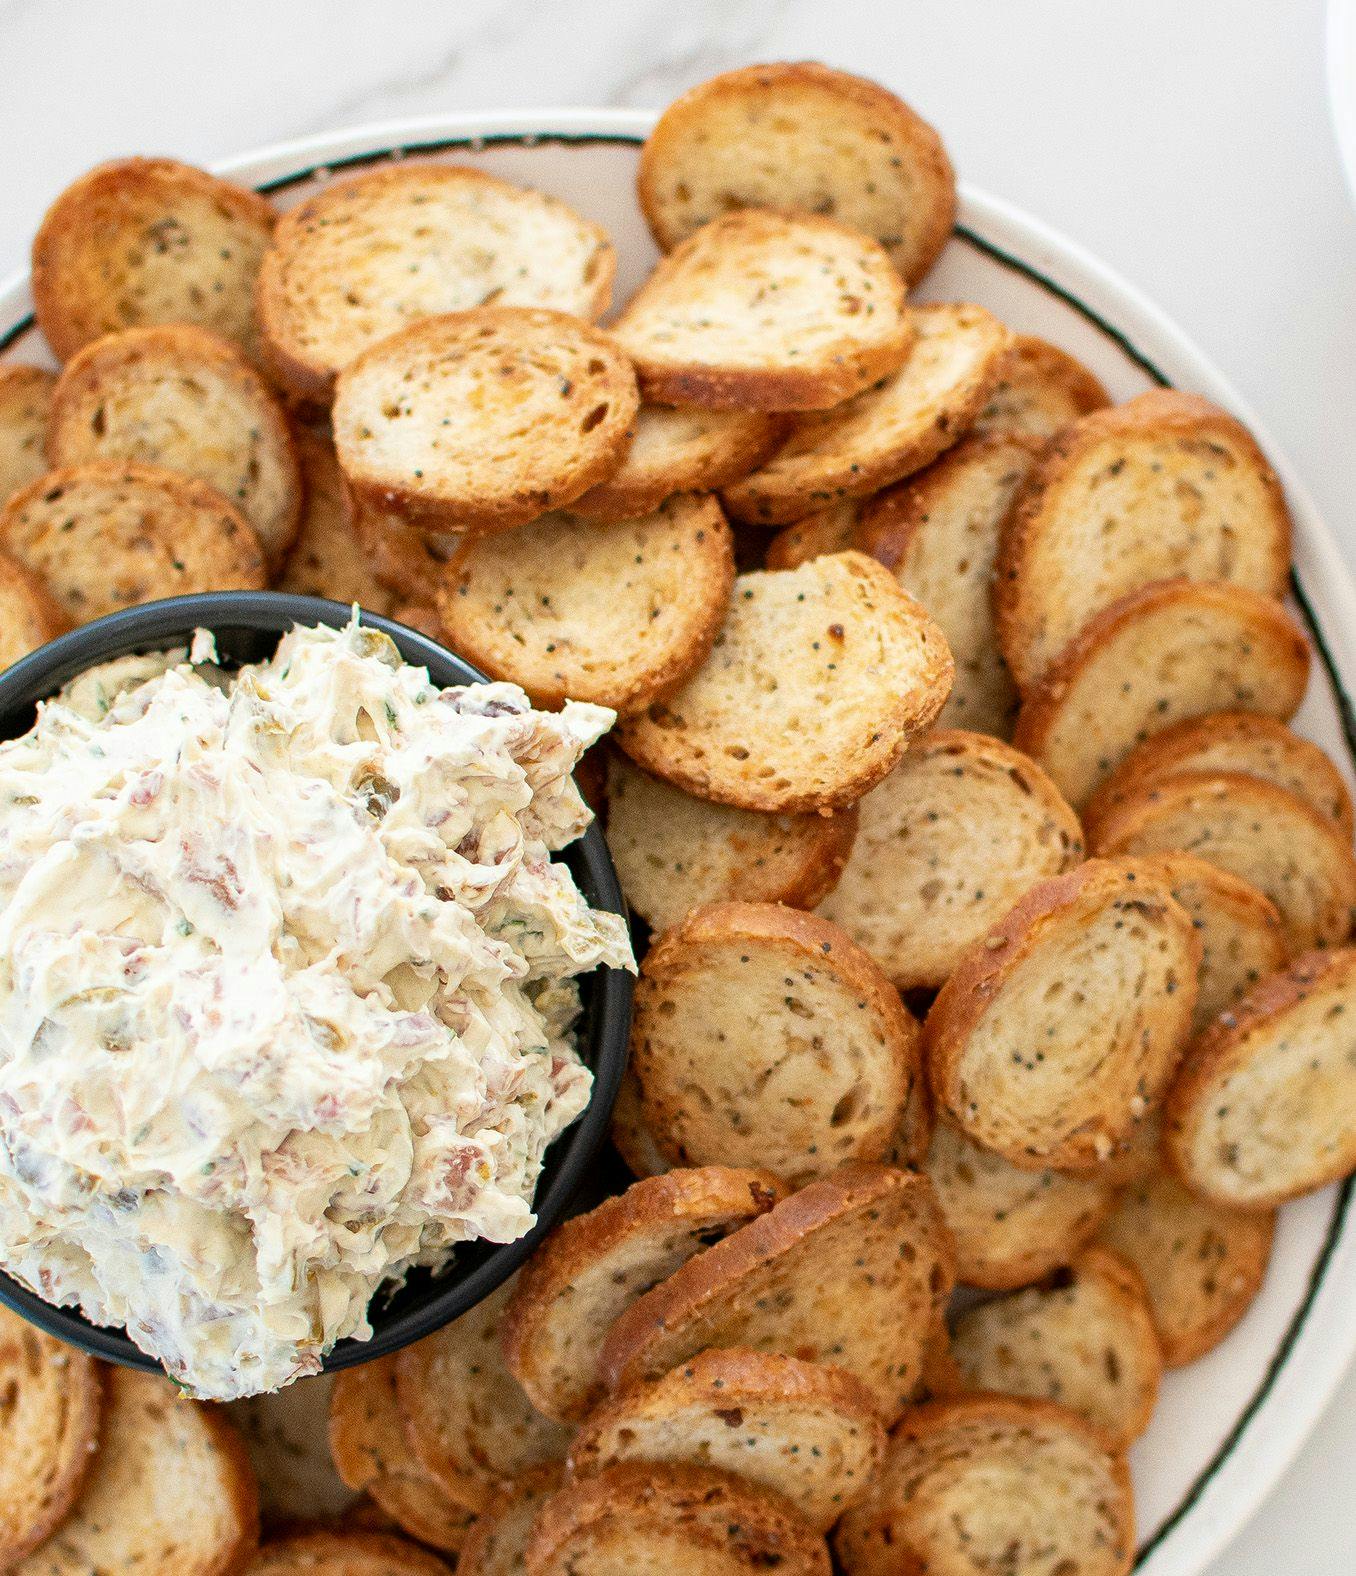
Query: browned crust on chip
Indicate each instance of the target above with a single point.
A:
(99, 365)
(923, 143)
(1196, 1086)
(1229, 1261)
(851, 1189)
(781, 388)
(1116, 833)
(816, 940)
(624, 495)
(65, 327)
(504, 652)
(1161, 754)
(982, 972)
(1123, 1287)
(371, 1454)
(644, 736)
(724, 1380)
(190, 496)
(756, 1523)
(833, 529)
(1042, 702)
(892, 519)
(1020, 1413)
(764, 497)
(536, 1482)
(25, 1523)
(676, 1197)
(1168, 412)
(243, 1488)
(418, 498)
(311, 379)
(1052, 366)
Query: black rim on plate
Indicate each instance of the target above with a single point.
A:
(1127, 346)
(247, 626)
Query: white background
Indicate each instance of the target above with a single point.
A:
(1186, 142)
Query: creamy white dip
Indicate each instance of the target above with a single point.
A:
(285, 990)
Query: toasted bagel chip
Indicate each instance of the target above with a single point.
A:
(815, 685)
(51, 1404)
(913, 1136)
(891, 430)
(630, 1136)
(1171, 651)
(802, 136)
(143, 241)
(470, 1423)
(372, 1455)
(324, 1553)
(185, 399)
(1060, 1028)
(483, 420)
(765, 1037)
(374, 253)
(674, 853)
(937, 533)
(764, 310)
(497, 1544)
(852, 1271)
(327, 559)
(407, 561)
(1201, 1263)
(1040, 391)
(806, 1431)
(285, 1434)
(170, 1492)
(594, 1266)
(1165, 487)
(109, 534)
(1085, 1338)
(1011, 1226)
(1264, 1109)
(946, 844)
(1230, 741)
(989, 1483)
(1242, 937)
(28, 614)
(1242, 940)
(25, 398)
(678, 450)
(830, 530)
(683, 1520)
(1264, 835)
(619, 613)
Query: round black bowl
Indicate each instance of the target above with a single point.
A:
(247, 626)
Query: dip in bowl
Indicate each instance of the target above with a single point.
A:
(309, 976)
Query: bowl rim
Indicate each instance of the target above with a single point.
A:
(153, 626)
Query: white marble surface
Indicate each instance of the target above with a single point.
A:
(1186, 142)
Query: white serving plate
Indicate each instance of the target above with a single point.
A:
(1228, 1425)
(1341, 52)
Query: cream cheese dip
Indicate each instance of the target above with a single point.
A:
(286, 990)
